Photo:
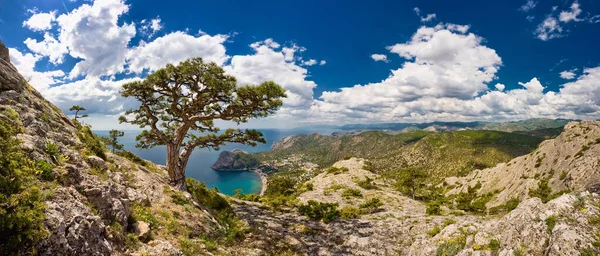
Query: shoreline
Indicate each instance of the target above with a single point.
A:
(263, 180)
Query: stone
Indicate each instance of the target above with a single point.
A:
(141, 230)
(97, 162)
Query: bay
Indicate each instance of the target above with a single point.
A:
(201, 159)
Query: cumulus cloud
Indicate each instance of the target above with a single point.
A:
(567, 16)
(379, 57)
(150, 27)
(25, 63)
(174, 48)
(49, 47)
(528, 6)
(270, 64)
(500, 87)
(40, 21)
(568, 74)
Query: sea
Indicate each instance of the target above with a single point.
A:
(201, 159)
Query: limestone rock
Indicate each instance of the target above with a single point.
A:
(141, 230)
(97, 162)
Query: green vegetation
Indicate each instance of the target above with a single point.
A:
(77, 109)
(334, 170)
(544, 192)
(92, 145)
(551, 222)
(351, 192)
(371, 205)
(367, 183)
(246, 197)
(182, 123)
(22, 192)
(434, 208)
(410, 181)
(506, 206)
(563, 175)
(349, 212)
(113, 140)
(132, 157)
(451, 247)
(319, 211)
(434, 231)
(280, 192)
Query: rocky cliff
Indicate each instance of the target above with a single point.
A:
(570, 162)
(235, 160)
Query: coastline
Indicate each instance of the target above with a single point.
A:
(263, 180)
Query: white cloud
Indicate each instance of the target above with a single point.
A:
(568, 74)
(150, 27)
(49, 47)
(429, 17)
(379, 57)
(25, 64)
(92, 33)
(40, 21)
(310, 62)
(174, 48)
(270, 64)
(322, 62)
(500, 87)
(425, 18)
(530, 17)
(528, 6)
(567, 16)
(549, 29)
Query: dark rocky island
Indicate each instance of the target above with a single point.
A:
(235, 160)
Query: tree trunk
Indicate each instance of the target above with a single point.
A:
(176, 168)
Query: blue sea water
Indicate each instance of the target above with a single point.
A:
(201, 160)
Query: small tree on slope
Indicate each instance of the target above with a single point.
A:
(178, 106)
(113, 140)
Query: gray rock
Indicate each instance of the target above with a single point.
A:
(236, 160)
(97, 162)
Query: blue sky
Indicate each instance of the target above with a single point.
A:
(472, 60)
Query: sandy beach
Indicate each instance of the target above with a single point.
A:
(263, 179)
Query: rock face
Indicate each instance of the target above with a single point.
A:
(10, 79)
(236, 160)
(570, 162)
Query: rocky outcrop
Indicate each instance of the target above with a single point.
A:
(236, 160)
(10, 79)
(570, 162)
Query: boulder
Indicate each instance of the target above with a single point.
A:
(97, 162)
(141, 230)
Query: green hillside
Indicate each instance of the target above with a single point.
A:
(439, 154)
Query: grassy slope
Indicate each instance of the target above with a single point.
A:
(440, 154)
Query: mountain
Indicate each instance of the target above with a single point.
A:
(440, 154)
(570, 162)
(522, 126)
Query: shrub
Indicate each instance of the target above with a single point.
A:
(351, 192)
(91, 142)
(132, 157)
(319, 211)
(367, 183)
(563, 175)
(448, 222)
(349, 212)
(21, 199)
(506, 206)
(551, 222)
(334, 170)
(246, 197)
(451, 247)
(44, 170)
(433, 208)
(368, 166)
(371, 205)
(434, 231)
(52, 150)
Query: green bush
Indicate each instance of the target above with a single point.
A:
(367, 183)
(434, 208)
(349, 212)
(132, 157)
(551, 222)
(22, 200)
(90, 141)
(52, 150)
(434, 231)
(319, 211)
(371, 205)
(44, 170)
(246, 197)
(451, 247)
(334, 170)
(506, 206)
(351, 192)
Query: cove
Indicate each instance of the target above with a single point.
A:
(201, 160)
